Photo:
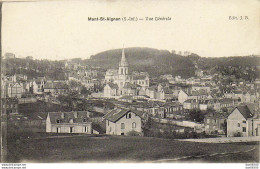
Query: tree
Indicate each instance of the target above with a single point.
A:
(196, 115)
(224, 127)
(84, 91)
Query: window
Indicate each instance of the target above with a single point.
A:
(133, 125)
(84, 120)
(238, 124)
(122, 125)
(71, 129)
(128, 116)
(108, 122)
(244, 129)
(58, 121)
(244, 121)
(86, 129)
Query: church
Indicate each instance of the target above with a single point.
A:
(120, 82)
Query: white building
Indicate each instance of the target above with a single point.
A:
(68, 122)
(122, 122)
(243, 122)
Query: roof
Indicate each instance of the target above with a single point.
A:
(216, 115)
(112, 85)
(171, 104)
(167, 90)
(116, 114)
(55, 85)
(245, 111)
(128, 97)
(9, 100)
(237, 92)
(226, 100)
(39, 79)
(132, 86)
(195, 92)
(204, 101)
(139, 77)
(191, 101)
(76, 116)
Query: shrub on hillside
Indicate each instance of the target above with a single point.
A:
(134, 133)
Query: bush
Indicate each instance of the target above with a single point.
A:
(238, 134)
(134, 133)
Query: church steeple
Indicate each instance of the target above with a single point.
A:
(123, 59)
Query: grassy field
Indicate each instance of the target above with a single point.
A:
(82, 148)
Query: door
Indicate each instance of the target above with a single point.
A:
(58, 130)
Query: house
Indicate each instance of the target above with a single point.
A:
(192, 94)
(68, 122)
(126, 98)
(40, 82)
(21, 77)
(243, 122)
(9, 56)
(236, 94)
(55, 87)
(226, 103)
(215, 123)
(191, 104)
(14, 90)
(172, 109)
(249, 96)
(215, 104)
(122, 121)
(199, 72)
(110, 90)
(151, 108)
(200, 87)
(9, 105)
(182, 96)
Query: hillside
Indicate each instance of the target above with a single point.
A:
(158, 62)
(150, 60)
(155, 62)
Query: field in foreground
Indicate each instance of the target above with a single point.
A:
(80, 148)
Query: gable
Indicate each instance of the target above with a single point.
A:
(236, 115)
(182, 93)
(133, 117)
(117, 114)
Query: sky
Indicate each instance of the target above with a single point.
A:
(60, 29)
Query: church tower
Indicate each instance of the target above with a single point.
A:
(123, 76)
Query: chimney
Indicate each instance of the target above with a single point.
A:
(75, 114)
(62, 115)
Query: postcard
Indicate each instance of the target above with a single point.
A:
(153, 83)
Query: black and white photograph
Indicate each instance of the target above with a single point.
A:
(135, 81)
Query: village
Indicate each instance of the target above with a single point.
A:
(96, 102)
